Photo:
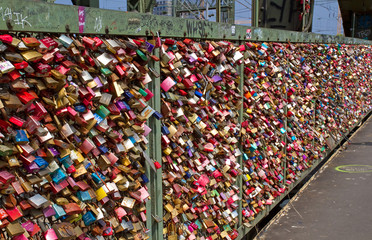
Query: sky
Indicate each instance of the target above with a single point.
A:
(325, 18)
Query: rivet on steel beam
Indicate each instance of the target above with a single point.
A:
(9, 24)
(67, 27)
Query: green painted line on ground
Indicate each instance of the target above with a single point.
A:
(354, 168)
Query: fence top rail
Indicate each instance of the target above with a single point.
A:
(34, 16)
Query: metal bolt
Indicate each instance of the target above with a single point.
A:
(9, 24)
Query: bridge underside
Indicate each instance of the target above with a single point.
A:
(357, 18)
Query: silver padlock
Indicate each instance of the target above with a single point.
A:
(86, 77)
(6, 66)
(105, 59)
(66, 41)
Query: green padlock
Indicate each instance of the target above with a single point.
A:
(103, 112)
(106, 71)
(141, 55)
(142, 92)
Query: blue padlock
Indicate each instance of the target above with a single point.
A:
(41, 162)
(131, 138)
(60, 212)
(96, 179)
(98, 118)
(89, 218)
(198, 94)
(157, 115)
(58, 176)
(80, 108)
(103, 149)
(83, 196)
(66, 161)
(165, 130)
(127, 95)
(188, 175)
(145, 178)
(173, 145)
(21, 137)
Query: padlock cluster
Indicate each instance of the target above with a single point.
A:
(200, 138)
(73, 137)
(299, 101)
(75, 130)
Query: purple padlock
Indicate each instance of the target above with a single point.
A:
(216, 78)
(49, 211)
(54, 151)
(121, 106)
(98, 82)
(149, 47)
(32, 167)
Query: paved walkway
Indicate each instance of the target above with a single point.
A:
(335, 205)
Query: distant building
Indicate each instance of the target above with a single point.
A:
(163, 7)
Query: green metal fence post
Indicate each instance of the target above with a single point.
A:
(314, 124)
(240, 159)
(156, 177)
(285, 133)
(218, 11)
(149, 203)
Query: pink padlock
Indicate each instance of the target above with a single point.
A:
(50, 234)
(87, 146)
(20, 237)
(167, 84)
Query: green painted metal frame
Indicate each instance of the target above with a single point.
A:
(151, 203)
(17, 15)
(156, 189)
(21, 16)
(285, 135)
(240, 159)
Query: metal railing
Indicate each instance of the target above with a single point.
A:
(37, 17)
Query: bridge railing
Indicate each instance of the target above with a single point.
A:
(147, 126)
